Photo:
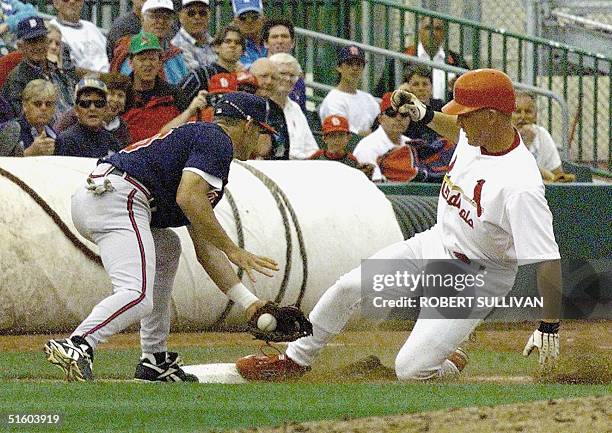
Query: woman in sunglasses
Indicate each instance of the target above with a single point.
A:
(88, 138)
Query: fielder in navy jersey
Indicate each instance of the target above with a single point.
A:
(127, 206)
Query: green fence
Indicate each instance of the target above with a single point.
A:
(584, 79)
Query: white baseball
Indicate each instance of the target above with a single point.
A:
(266, 322)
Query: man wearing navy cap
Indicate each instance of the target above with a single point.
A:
(249, 18)
(127, 206)
(359, 107)
(33, 43)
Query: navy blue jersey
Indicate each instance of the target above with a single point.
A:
(158, 163)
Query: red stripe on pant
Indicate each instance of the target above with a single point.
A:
(126, 307)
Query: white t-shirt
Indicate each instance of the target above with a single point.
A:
(87, 45)
(373, 146)
(544, 150)
(359, 108)
(302, 143)
(493, 208)
(438, 78)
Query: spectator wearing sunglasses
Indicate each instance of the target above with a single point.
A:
(31, 134)
(88, 138)
(193, 37)
(249, 18)
(388, 136)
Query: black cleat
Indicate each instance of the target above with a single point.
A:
(162, 367)
(73, 356)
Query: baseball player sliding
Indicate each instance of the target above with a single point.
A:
(486, 214)
(129, 201)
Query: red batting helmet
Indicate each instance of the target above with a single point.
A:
(482, 88)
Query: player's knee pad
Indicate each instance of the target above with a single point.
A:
(413, 368)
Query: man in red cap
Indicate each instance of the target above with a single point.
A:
(489, 221)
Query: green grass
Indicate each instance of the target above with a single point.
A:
(118, 406)
(98, 407)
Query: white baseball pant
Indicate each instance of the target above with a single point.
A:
(425, 353)
(141, 261)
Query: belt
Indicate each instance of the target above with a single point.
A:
(118, 172)
(463, 258)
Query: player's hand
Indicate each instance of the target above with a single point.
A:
(250, 262)
(406, 102)
(565, 177)
(253, 308)
(546, 340)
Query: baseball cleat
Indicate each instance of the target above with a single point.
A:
(162, 367)
(459, 358)
(269, 367)
(73, 356)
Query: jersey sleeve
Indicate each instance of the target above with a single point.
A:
(531, 227)
(211, 151)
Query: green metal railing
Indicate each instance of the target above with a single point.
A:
(581, 77)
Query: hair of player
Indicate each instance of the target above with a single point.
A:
(222, 33)
(273, 22)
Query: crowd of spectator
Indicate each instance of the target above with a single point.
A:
(66, 89)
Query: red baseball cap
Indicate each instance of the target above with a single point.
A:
(335, 123)
(247, 82)
(482, 88)
(222, 82)
(385, 102)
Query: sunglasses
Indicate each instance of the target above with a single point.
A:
(193, 12)
(249, 17)
(86, 103)
(392, 113)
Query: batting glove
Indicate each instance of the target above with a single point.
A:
(406, 102)
(546, 340)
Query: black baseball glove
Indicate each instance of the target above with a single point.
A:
(291, 324)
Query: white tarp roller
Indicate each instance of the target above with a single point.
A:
(48, 283)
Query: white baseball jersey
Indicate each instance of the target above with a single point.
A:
(87, 45)
(492, 207)
(359, 108)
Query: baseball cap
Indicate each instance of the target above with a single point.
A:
(242, 6)
(30, 28)
(335, 123)
(144, 41)
(222, 82)
(89, 83)
(482, 88)
(242, 105)
(150, 5)
(188, 2)
(350, 52)
(385, 102)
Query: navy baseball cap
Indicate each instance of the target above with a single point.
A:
(242, 105)
(242, 6)
(31, 28)
(350, 52)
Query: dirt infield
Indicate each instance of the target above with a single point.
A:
(591, 414)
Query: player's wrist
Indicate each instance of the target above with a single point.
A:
(549, 327)
(242, 296)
